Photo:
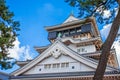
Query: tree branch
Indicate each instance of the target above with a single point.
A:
(118, 2)
(106, 48)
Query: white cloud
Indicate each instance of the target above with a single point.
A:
(105, 31)
(106, 13)
(20, 53)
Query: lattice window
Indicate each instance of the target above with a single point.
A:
(47, 66)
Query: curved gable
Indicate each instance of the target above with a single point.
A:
(56, 50)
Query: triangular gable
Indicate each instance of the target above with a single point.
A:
(56, 65)
(70, 18)
(48, 52)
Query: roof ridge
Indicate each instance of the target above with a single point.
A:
(71, 18)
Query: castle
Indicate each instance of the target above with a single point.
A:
(72, 55)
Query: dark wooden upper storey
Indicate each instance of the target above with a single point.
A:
(76, 27)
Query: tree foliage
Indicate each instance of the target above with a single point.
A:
(97, 9)
(8, 33)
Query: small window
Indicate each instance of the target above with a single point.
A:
(47, 66)
(54, 65)
(67, 64)
(64, 65)
(78, 50)
(73, 67)
(72, 31)
(78, 29)
(40, 69)
(57, 65)
(66, 33)
(56, 49)
(81, 50)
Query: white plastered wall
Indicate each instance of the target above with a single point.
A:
(78, 66)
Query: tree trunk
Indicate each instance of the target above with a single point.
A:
(106, 48)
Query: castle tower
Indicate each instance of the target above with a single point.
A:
(82, 36)
(72, 55)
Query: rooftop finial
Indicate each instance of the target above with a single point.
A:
(72, 13)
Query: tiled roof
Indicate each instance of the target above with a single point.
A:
(66, 74)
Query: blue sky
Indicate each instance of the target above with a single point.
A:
(33, 16)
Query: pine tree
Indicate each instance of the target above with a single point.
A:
(8, 33)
